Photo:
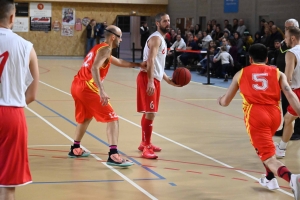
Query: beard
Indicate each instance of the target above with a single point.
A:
(164, 29)
(289, 44)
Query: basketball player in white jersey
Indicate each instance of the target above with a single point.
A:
(148, 82)
(18, 87)
(292, 71)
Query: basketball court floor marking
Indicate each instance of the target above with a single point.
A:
(179, 144)
(96, 157)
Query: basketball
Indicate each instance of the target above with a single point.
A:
(181, 76)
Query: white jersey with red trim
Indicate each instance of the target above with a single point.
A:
(160, 59)
(15, 76)
(296, 74)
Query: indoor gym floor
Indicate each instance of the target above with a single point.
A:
(206, 151)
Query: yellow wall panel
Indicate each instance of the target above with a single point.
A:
(52, 43)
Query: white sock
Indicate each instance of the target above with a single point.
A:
(282, 145)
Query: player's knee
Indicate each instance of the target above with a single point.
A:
(150, 116)
(288, 118)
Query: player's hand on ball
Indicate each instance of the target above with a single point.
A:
(171, 82)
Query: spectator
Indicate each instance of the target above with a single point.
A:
(226, 61)
(144, 31)
(241, 28)
(91, 34)
(178, 44)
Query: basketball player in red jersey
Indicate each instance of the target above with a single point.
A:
(148, 82)
(259, 86)
(92, 101)
(19, 76)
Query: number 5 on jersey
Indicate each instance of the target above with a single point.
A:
(260, 79)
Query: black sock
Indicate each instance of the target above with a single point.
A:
(76, 144)
(113, 149)
(269, 173)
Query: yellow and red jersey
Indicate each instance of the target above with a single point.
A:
(85, 73)
(259, 84)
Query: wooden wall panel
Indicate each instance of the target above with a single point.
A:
(52, 43)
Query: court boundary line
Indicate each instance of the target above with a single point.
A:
(96, 157)
(185, 147)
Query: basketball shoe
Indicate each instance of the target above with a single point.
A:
(116, 160)
(148, 152)
(155, 148)
(280, 153)
(295, 185)
(270, 184)
(78, 152)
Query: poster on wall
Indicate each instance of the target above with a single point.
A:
(22, 9)
(20, 24)
(68, 16)
(78, 26)
(40, 9)
(40, 24)
(67, 30)
(56, 26)
(85, 21)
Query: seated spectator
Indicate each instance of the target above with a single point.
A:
(257, 37)
(205, 40)
(178, 44)
(203, 62)
(191, 45)
(241, 28)
(226, 61)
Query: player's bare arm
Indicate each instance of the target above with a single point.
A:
(31, 91)
(233, 88)
(290, 63)
(102, 55)
(290, 95)
(123, 63)
(153, 45)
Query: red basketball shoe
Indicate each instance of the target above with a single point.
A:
(155, 148)
(148, 152)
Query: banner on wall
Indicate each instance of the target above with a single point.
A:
(20, 24)
(68, 16)
(67, 30)
(22, 9)
(40, 24)
(56, 26)
(78, 25)
(40, 9)
(231, 6)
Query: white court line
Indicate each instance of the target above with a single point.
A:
(188, 148)
(96, 157)
(48, 145)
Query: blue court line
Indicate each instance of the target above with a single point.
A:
(173, 184)
(103, 142)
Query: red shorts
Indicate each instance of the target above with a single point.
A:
(262, 121)
(146, 103)
(14, 166)
(289, 108)
(88, 105)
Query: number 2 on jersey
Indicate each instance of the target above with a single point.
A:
(261, 79)
(3, 59)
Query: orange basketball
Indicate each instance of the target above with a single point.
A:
(181, 76)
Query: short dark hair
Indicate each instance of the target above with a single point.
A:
(258, 52)
(158, 16)
(294, 31)
(5, 7)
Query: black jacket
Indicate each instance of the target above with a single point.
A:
(279, 59)
(89, 31)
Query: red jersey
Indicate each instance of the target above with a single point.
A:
(85, 73)
(259, 84)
